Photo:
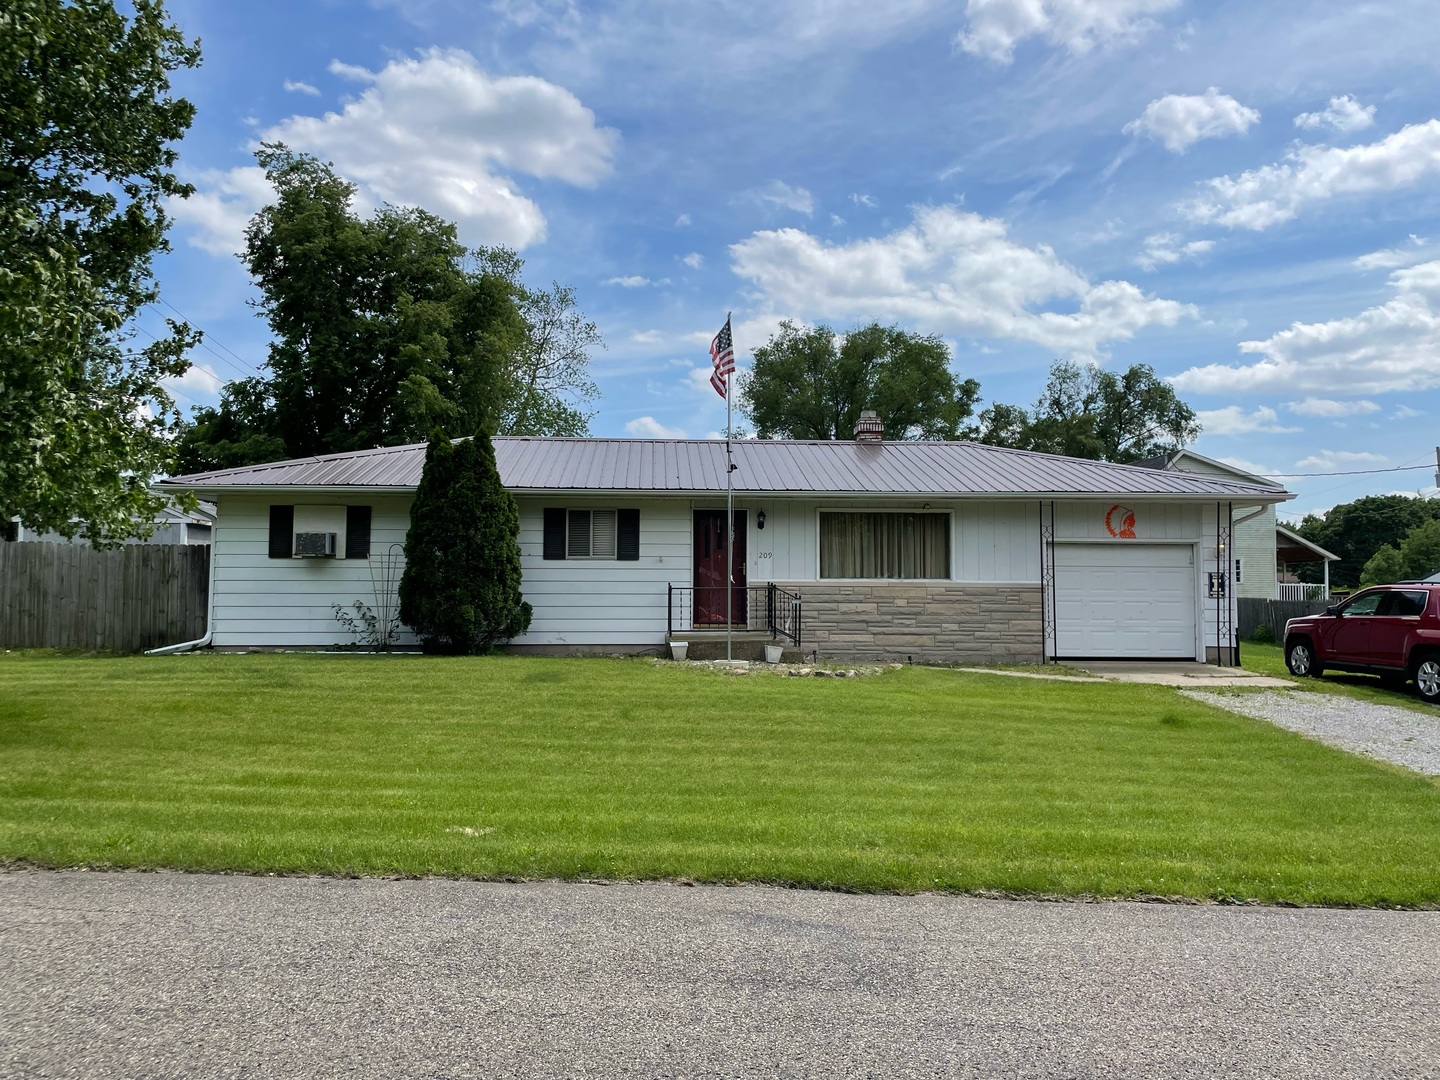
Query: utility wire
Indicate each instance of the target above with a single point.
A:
(241, 371)
(246, 369)
(1349, 472)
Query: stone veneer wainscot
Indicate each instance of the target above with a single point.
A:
(934, 622)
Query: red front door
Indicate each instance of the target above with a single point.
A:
(710, 590)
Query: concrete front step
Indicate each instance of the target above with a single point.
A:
(746, 645)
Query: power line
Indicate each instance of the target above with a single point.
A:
(246, 369)
(243, 373)
(1350, 472)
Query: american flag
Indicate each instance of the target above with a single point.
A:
(722, 354)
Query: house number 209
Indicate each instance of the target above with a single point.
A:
(764, 555)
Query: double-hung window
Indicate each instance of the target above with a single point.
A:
(884, 545)
(590, 534)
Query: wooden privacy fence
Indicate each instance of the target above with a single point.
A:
(70, 596)
(1255, 611)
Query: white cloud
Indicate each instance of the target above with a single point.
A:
(1405, 412)
(647, 427)
(953, 272)
(294, 87)
(694, 260)
(697, 380)
(438, 131)
(200, 380)
(1328, 407)
(1339, 459)
(1419, 250)
(1181, 120)
(779, 193)
(836, 221)
(860, 199)
(1342, 114)
(1273, 194)
(1234, 420)
(683, 221)
(633, 281)
(995, 27)
(223, 204)
(1162, 249)
(1384, 349)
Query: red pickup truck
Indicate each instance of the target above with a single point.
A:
(1392, 631)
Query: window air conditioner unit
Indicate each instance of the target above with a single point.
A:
(315, 545)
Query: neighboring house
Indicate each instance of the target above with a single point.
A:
(172, 526)
(947, 551)
(1263, 547)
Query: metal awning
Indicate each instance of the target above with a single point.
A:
(1291, 547)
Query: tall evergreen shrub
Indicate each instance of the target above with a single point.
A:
(460, 592)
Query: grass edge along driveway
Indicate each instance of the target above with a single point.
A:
(915, 780)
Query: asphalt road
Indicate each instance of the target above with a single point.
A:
(168, 975)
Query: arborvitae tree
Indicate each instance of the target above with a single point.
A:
(460, 592)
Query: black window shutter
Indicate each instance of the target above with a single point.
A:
(357, 532)
(282, 532)
(627, 535)
(554, 532)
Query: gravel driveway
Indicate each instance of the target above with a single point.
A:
(1387, 732)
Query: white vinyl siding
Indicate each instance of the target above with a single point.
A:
(601, 603)
(260, 601)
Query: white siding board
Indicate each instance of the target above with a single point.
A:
(604, 602)
(287, 602)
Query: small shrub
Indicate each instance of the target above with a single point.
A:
(1263, 635)
(364, 626)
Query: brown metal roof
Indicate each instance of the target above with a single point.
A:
(762, 465)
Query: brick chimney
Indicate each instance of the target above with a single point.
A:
(869, 428)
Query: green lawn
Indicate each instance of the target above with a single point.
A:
(912, 780)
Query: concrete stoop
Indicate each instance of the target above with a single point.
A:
(746, 645)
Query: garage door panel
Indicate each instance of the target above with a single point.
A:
(1119, 600)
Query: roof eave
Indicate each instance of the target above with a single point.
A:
(1246, 498)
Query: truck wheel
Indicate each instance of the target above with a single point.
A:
(1427, 678)
(1300, 659)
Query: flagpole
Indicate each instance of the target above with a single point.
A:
(729, 523)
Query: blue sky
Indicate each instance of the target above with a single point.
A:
(1243, 195)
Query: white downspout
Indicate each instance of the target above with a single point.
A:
(200, 642)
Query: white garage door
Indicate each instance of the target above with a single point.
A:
(1125, 599)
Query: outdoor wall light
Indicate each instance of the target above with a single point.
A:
(760, 520)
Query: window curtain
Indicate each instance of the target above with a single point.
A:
(884, 545)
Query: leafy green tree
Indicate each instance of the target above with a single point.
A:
(809, 384)
(1420, 551)
(1355, 531)
(1385, 566)
(460, 591)
(547, 383)
(385, 328)
(87, 127)
(1088, 412)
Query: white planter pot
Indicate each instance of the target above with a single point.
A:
(678, 649)
(773, 653)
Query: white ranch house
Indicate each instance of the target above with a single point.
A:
(934, 551)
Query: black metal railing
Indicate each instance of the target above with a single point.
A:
(751, 607)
